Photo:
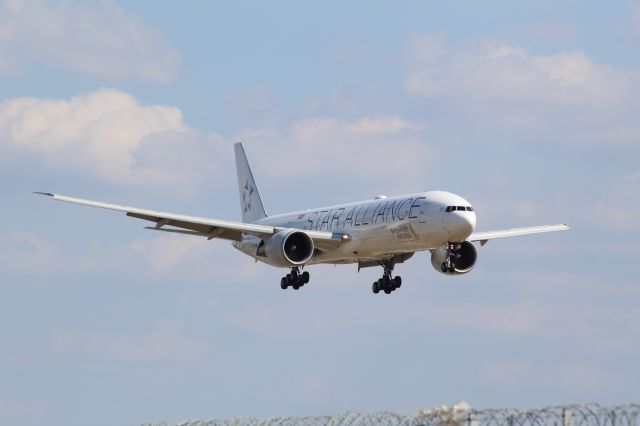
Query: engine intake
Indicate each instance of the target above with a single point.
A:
(289, 248)
(464, 258)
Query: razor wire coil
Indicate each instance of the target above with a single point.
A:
(457, 415)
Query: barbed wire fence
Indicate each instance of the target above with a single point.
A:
(460, 414)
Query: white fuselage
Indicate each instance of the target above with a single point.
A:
(381, 227)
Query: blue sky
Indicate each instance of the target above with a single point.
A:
(529, 110)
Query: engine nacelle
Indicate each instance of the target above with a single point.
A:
(464, 258)
(289, 248)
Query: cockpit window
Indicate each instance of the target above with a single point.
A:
(458, 208)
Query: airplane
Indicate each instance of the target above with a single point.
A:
(382, 231)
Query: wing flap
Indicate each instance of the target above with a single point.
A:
(161, 222)
(176, 231)
(485, 236)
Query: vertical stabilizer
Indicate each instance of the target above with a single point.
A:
(250, 202)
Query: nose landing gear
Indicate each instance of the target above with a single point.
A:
(295, 279)
(453, 253)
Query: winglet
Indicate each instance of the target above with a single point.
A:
(44, 193)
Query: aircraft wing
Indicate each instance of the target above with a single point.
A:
(200, 226)
(485, 236)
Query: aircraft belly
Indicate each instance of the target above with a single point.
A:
(368, 243)
(378, 242)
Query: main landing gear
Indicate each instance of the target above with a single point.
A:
(386, 283)
(295, 279)
(453, 253)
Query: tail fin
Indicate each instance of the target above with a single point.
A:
(250, 202)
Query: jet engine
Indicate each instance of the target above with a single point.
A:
(463, 258)
(289, 248)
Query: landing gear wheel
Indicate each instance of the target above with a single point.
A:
(387, 283)
(452, 268)
(444, 268)
(294, 279)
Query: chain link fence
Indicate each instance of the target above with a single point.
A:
(457, 415)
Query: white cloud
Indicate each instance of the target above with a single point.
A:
(580, 322)
(617, 210)
(264, 319)
(495, 72)
(108, 134)
(378, 126)
(94, 39)
(255, 103)
(527, 373)
(555, 33)
(28, 252)
(166, 343)
(161, 257)
(165, 252)
(566, 97)
(386, 151)
(190, 257)
(618, 216)
(103, 133)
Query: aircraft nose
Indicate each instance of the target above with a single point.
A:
(466, 223)
(469, 220)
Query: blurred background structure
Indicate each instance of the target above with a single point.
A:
(460, 414)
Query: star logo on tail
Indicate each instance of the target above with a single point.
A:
(250, 189)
